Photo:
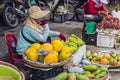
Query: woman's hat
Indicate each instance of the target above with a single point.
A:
(104, 1)
(35, 12)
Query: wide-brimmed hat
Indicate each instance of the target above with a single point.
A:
(35, 12)
(104, 1)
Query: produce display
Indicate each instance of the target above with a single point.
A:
(90, 72)
(73, 42)
(94, 72)
(53, 52)
(112, 59)
(70, 76)
(109, 22)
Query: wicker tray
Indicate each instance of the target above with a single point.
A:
(109, 66)
(45, 65)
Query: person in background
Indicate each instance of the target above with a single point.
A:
(35, 30)
(95, 7)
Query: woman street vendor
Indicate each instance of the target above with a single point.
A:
(35, 30)
(96, 8)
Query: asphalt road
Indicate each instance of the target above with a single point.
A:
(67, 28)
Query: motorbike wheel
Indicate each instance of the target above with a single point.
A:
(70, 14)
(78, 15)
(10, 18)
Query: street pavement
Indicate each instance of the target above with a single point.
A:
(67, 28)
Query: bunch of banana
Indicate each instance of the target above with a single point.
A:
(73, 42)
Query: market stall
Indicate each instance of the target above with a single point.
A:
(49, 59)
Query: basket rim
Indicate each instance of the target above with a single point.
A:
(46, 65)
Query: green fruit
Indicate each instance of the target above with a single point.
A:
(86, 72)
(114, 55)
(88, 53)
(103, 69)
(99, 56)
(95, 54)
(118, 58)
(61, 76)
(71, 76)
(90, 67)
(81, 77)
(90, 57)
(40, 58)
(80, 42)
(72, 44)
(73, 49)
(102, 74)
(97, 72)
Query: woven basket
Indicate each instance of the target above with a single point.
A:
(45, 65)
(14, 67)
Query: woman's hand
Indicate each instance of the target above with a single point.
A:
(62, 36)
(105, 13)
(42, 23)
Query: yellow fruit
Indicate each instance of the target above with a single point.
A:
(51, 58)
(47, 46)
(104, 61)
(29, 50)
(99, 57)
(93, 60)
(36, 46)
(64, 55)
(57, 45)
(107, 56)
(32, 56)
(55, 52)
(66, 49)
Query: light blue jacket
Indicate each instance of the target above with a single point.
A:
(33, 36)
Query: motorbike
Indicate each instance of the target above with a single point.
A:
(78, 8)
(13, 11)
(52, 5)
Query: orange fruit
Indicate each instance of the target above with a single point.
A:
(107, 56)
(36, 46)
(104, 61)
(32, 56)
(47, 46)
(29, 50)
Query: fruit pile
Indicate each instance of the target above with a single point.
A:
(73, 42)
(53, 52)
(112, 59)
(94, 72)
(90, 72)
(70, 76)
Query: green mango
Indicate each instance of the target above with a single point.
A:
(102, 74)
(86, 72)
(103, 69)
(90, 67)
(81, 77)
(97, 72)
(71, 76)
(61, 76)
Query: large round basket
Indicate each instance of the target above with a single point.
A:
(45, 65)
(103, 78)
(14, 71)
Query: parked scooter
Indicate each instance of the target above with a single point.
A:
(78, 13)
(51, 4)
(12, 11)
